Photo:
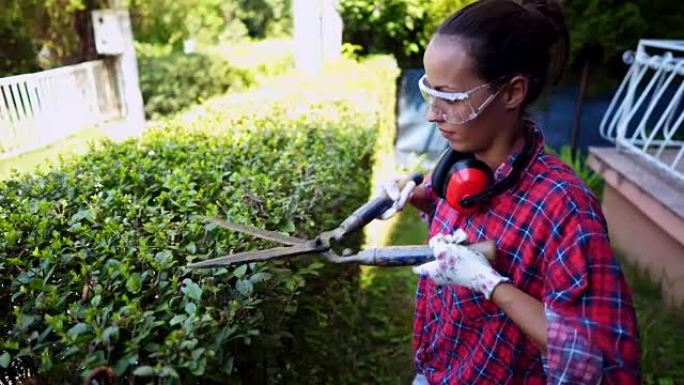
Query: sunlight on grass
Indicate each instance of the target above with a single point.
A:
(41, 159)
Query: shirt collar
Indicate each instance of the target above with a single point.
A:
(506, 167)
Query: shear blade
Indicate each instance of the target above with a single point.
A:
(260, 255)
(259, 233)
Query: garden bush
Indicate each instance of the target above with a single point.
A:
(174, 81)
(92, 254)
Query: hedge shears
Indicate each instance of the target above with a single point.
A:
(323, 244)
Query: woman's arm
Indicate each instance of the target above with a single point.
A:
(459, 265)
(526, 311)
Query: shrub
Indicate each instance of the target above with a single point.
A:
(170, 83)
(91, 261)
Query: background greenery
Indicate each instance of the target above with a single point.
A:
(601, 30)
(175, 81)
(61, 29)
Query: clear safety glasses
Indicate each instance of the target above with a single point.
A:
(454, 107)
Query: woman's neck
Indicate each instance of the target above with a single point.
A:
(511, 139)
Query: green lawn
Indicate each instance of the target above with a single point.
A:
(40, 159)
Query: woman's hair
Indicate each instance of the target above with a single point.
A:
(507, 38)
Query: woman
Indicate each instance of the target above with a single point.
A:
(554, 306)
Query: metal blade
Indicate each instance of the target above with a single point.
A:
(263, 234)
(262, 255)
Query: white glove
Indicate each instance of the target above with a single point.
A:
(400, 197)
(458, 265)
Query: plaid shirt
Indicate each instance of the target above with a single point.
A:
(552, 242)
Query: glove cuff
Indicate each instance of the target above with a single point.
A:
(488, 284)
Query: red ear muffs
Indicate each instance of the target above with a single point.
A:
(465, 182)
(466, 178)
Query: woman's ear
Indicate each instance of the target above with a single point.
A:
(516, 92)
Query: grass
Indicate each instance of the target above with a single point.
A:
(41, 159)
(389, 300)
(661, 330)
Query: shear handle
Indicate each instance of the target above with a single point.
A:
(371, 210)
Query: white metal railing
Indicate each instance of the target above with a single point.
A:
(41, 108)
(646, 114)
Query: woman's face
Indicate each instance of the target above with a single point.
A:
(449, 68)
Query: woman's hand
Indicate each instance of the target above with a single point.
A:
(456, 264)
(399, 196)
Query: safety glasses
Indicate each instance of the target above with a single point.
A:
(455, 107)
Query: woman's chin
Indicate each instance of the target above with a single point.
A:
(456, 141)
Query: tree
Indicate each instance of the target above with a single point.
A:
(400, 27)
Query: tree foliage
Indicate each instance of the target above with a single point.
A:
(61, 32)
(402, 27)
(602, 29)
(208, 21)
(58, 28)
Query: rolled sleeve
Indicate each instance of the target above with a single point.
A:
(591, 324)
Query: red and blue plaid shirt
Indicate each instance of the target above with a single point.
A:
(552, 242)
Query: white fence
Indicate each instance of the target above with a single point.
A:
(40, 108)
(646, 114)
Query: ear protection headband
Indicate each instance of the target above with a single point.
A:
(465, 182)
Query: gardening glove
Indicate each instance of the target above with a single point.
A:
(456, 264)
(399, 196)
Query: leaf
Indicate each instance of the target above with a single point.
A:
(197, 353)
(123, 363)
(191, 289)
(190, 308)
(144, 371)
(178, 318)
(26, 321)
(168, 371)
(244, 287)
(287, 227)
(240, 271)
(78, 329)
(109, 332)
(163, 257)
(134, 283)
(71, 351)
(259, 277)
(78, 216)
(5, 359)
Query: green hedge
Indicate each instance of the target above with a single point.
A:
(91, 261)
(174, 81)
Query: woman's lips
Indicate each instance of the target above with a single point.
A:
(447, 133)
